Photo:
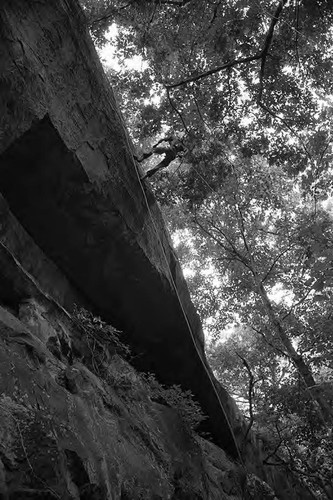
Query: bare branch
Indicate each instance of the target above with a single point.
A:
(227, 65)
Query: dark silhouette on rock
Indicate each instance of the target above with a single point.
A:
(171, 151)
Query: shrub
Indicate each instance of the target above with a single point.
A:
(95, 328)
(103, 342)
(100, 340)
(174, 396)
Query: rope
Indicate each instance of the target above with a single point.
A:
(182, 308)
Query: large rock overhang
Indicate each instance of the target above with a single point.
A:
(68, 175)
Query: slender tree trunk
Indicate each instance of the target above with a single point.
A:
(302, 367)
(324, 407)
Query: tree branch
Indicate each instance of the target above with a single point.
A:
(285, 123)
(200, 115)
(230, 64)
(267, 44)
(273, 453)
(250, 392)
(261, 55)
(228, 240)
(181, 3)
(280, 351)
(250, 258)
(275, 261)
(229, 250)
(242, 229)
(297, 303)
(232, 250)
(177, 111)
(108, 15)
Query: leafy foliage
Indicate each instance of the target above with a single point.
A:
(175, 397)
(248, 88)
(274, 102)
(283, 413)
(100, 337)
(105, 357)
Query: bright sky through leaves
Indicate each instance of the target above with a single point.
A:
(248, 88)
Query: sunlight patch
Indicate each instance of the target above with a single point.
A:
(281, 295)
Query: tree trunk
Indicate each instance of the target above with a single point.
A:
(302, 367)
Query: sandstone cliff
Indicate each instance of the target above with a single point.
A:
(78, 227)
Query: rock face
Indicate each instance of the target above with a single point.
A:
(68, 433)
(77, 226)
(68, 176)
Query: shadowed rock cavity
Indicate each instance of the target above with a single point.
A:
(78, 225)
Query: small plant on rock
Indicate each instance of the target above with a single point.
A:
(174, 396)
(103, 343)
(100, 340)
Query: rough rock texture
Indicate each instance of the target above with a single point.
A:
(67, 433)
(78, 227)
(68, 175)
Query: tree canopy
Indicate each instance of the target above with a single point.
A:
(247, 88)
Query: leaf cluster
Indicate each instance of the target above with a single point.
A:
(249, 89)
(174, 396)
(104, 344)
(100, 340)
